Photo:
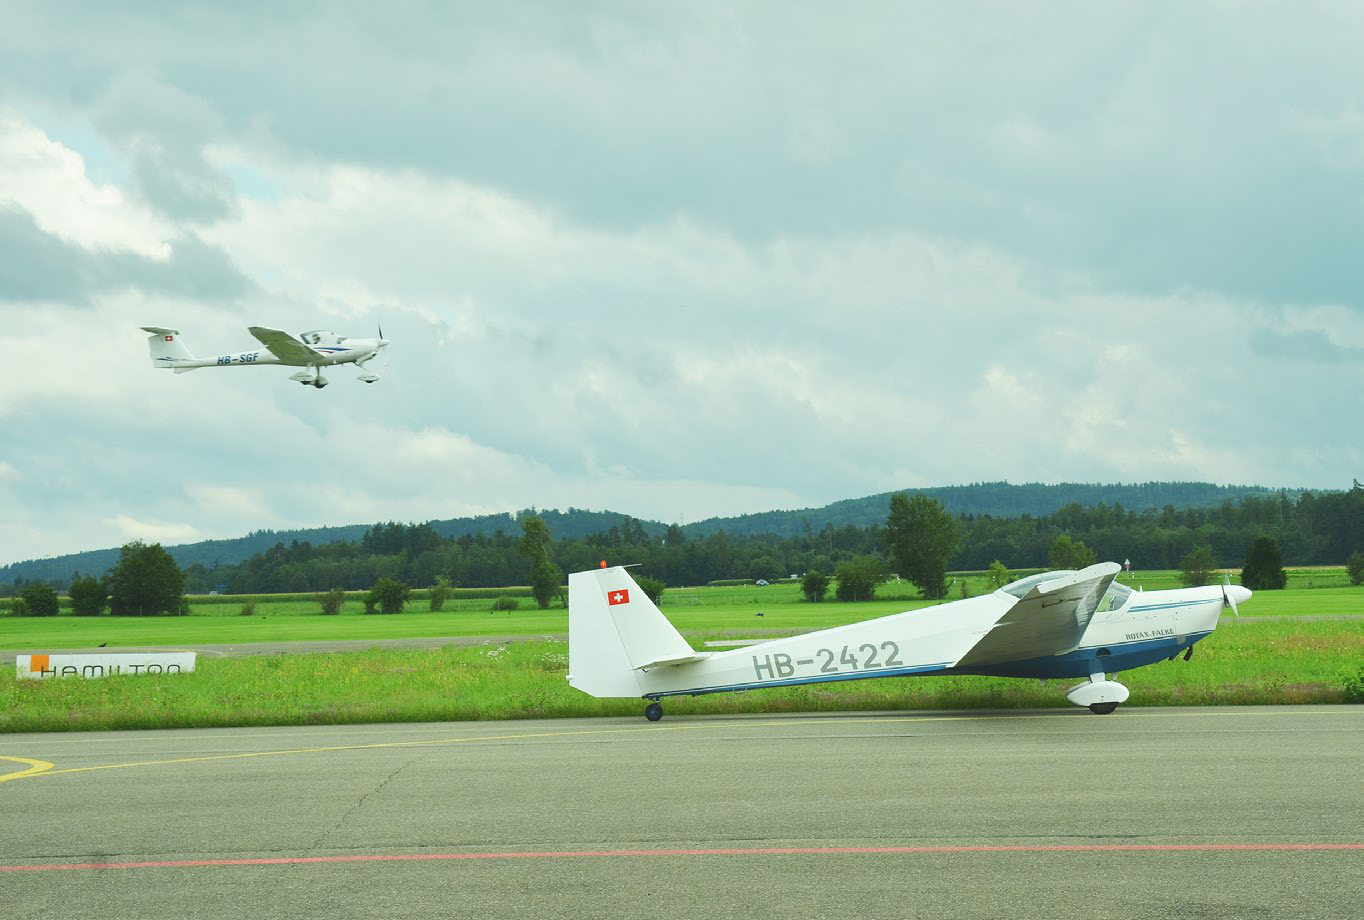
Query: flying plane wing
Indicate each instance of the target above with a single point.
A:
(284, 346)
(1048, 620)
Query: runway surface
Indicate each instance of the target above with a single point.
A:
(1170, 813)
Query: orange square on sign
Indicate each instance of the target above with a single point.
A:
(37, 663)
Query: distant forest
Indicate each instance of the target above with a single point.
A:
(997, 499)
(1311, 529)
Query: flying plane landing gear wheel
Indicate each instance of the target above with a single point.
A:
(653, 712)
(1102, 709)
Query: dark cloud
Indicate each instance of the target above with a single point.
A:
(179, 184)
(1141, 147)
(196, 270)
(37, 266)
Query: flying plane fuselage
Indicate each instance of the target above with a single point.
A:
(352, 351)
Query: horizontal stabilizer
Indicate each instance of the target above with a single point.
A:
(674, 660)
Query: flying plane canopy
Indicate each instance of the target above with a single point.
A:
(322, 337)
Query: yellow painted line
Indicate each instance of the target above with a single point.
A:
(43, 768)
(35, 767)
(1127, 713)
(245, 755)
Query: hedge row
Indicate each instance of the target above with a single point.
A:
(7, 603)
(417, 594)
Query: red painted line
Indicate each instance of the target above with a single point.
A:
(750, 851)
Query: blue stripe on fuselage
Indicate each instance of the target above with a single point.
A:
(798, 681)
(1173, 604)
(1122, 656)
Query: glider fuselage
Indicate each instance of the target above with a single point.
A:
(1148, 627)
(1050, 625)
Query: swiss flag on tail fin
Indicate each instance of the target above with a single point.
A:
(620, 596)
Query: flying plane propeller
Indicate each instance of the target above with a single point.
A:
(311, 351)
(1052, 625)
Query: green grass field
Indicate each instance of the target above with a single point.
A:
(731, 610)
(1242, 663)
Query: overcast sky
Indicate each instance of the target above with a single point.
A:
(675, 260)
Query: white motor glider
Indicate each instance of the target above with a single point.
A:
(1056, 624)
(311, 351)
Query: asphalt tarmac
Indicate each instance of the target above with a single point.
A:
(1247, 812)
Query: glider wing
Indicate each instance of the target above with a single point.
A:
(1049, 620)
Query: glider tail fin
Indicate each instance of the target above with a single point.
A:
(166, 348)
(614, 629)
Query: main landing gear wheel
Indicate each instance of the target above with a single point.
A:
(653, 712)
(1099, 694)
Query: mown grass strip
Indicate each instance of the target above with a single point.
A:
(293, 621)
(1247, 663)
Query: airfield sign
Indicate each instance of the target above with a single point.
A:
(40, 667)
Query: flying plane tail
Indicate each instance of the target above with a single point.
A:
(614, 630)
(166, 348)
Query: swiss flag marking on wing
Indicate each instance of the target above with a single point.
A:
(170, 338)
(618, 597)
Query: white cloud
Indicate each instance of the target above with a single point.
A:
(247, 506)
(49, 181)
(164, 532)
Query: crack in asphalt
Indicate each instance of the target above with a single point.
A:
(360, 803)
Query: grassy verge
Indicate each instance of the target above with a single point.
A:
(1247, 663)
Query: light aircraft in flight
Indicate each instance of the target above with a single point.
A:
(1052, 625)
(311, 351)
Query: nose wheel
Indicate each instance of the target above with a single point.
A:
(653, 712)
(1102, 709)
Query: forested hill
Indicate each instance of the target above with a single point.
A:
(1000, 499)
(571, 524)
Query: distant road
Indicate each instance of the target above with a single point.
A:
(246, 649)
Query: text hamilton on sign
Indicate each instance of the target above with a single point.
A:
(39, 666)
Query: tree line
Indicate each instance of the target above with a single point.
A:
(1308, 529)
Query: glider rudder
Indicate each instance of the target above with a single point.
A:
(614, 629)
